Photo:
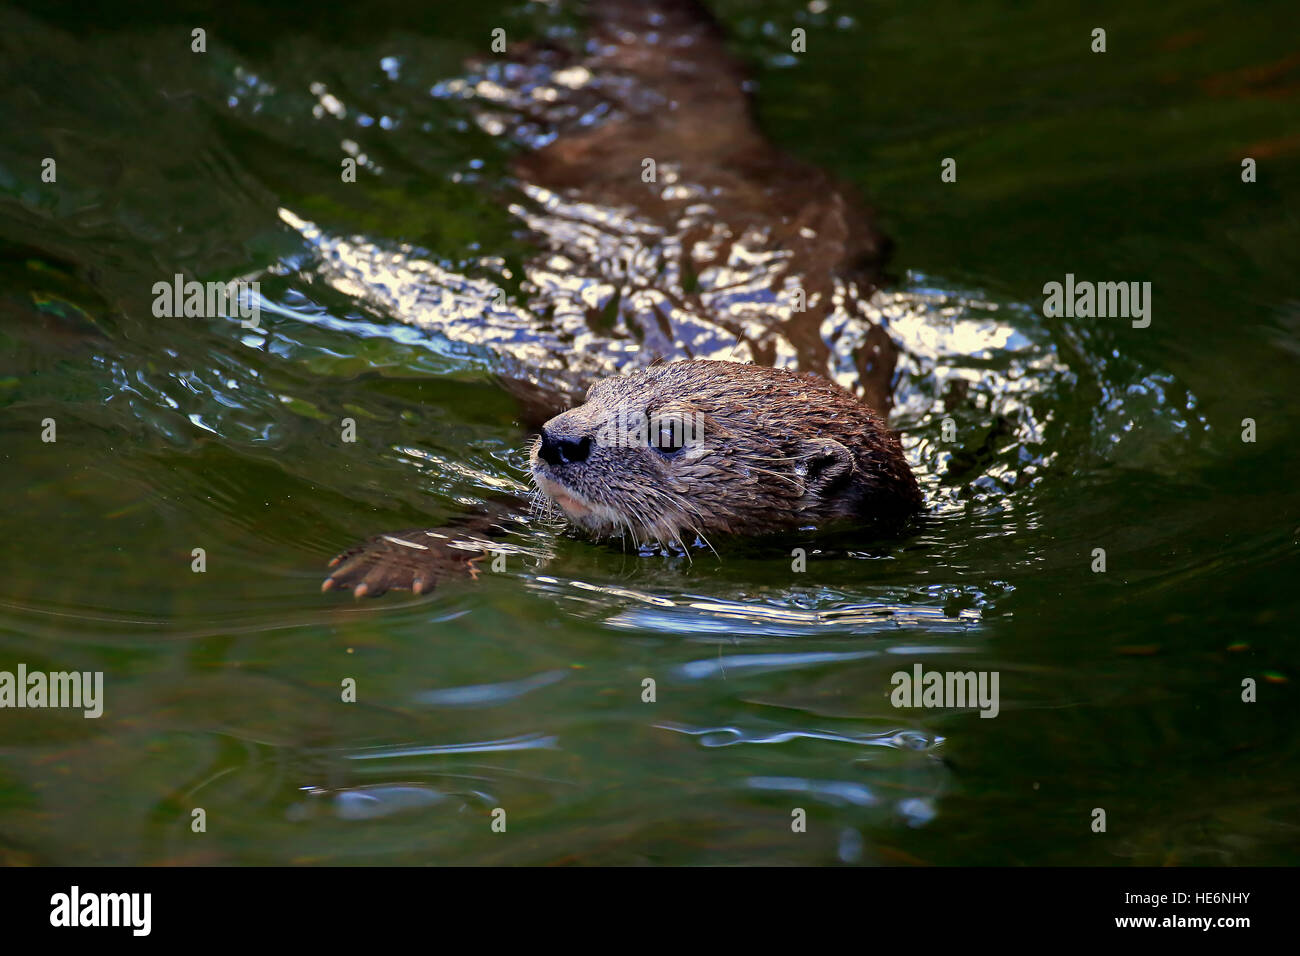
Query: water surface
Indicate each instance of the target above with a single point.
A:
(1119, 690)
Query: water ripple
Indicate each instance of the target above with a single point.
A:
(730, 736)
(524, 742)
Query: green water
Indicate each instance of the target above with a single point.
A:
(522, 691)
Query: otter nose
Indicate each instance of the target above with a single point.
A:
(560, 451)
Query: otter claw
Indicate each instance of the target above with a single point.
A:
(400, 561)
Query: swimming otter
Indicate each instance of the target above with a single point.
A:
(673, 454)
(728, 248)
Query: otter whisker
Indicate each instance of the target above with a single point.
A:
(775, 474)
(668, 534)
(636, 543)
(680, 506)
(682, 544)
(701, 535)
(774, 458)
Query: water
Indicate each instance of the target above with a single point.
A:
(524, 691)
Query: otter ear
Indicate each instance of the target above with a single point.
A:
(827, 462)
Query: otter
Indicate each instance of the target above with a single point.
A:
(643, 286)
(673, 454)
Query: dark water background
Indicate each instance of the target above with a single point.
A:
(1119, 690)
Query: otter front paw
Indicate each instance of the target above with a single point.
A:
(402, 560)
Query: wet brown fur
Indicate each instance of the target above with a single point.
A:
(776, 450)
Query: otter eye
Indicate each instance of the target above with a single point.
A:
(668, 434)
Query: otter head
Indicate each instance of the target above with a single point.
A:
(687, 449)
